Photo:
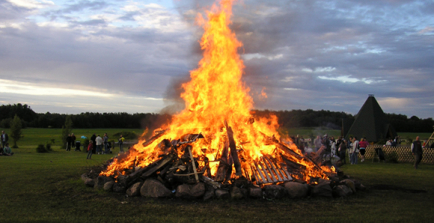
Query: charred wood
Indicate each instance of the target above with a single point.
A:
(233, 148)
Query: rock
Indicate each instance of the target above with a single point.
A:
(322, 189)
(183, 191)
(349, 183)
(154, 188)
(274, 191)
(134, 190)
(108, 186)
(342, 191)
(119, 187)
(101, 180)
(84, 177)
(222, 194)
(358, 185)
(89, 182)
(296, 190)
(190, 190)
(209, 193)
(255, 192)
(236, 193)
(197, 190)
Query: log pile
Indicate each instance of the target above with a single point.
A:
(178, 173)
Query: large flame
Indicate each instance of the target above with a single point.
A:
(215, 95)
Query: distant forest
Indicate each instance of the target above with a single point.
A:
(287, 119)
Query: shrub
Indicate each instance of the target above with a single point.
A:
(48, 147)
(41, 149)
(392, 157)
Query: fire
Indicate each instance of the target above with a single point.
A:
(216, 99)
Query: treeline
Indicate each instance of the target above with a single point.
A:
(287, 119)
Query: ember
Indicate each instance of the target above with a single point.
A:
(215, 141)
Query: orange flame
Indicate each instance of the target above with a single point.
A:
(214, 95)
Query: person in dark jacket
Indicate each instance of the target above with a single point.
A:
(68, 142)
(93, 138)
(343, 151)
(416, 149)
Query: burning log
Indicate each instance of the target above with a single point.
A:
(225, 165)
(192, 163)
(153, 138)
(159, 165)
(233, 148)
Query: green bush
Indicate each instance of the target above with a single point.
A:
(392, 157)
(48, 147)
(41, 149)
(44, 148)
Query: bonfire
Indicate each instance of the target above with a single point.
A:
(216, 140)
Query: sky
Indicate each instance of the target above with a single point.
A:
(131, 56)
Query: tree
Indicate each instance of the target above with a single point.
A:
(66, 129)
(16, 126)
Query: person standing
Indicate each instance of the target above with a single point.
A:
(99, 142)
(73, 138)
(121, 141)
(317, 143)
(68, 142)
(354, 151)
(363, 144)
(93, 138)
(416, 149)
(105, 138)
(4, 139)
(343, 151)
(89, 150)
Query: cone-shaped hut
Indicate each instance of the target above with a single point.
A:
(371, 123)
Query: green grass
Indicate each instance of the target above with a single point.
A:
(46, 187)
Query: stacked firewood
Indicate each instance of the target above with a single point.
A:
(178, 173)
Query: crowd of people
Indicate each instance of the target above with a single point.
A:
(101, 145)
(338, 149)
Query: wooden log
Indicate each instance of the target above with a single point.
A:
(153, 138)
(287, 174)
(233, 148)
(193, 164)
(263, 173)
(160, 164)
(269, 170)
(274, 168)
(225, 166)
(188, 174)
(266, 173)
(211, 182)
(257, 178)
(279, 169)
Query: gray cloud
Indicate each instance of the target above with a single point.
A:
(300, 52)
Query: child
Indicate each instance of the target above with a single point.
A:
(7, 150)
(89, 149)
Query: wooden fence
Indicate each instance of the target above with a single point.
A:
(398, 154)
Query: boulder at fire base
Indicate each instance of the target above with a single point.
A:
(322, 189)
(154, 188)
(190, 191)
(134, 190)
(296, 190)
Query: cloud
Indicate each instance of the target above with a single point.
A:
(306, 54)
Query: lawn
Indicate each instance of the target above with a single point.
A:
(46, 187)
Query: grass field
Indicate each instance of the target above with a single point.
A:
(46, 187)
